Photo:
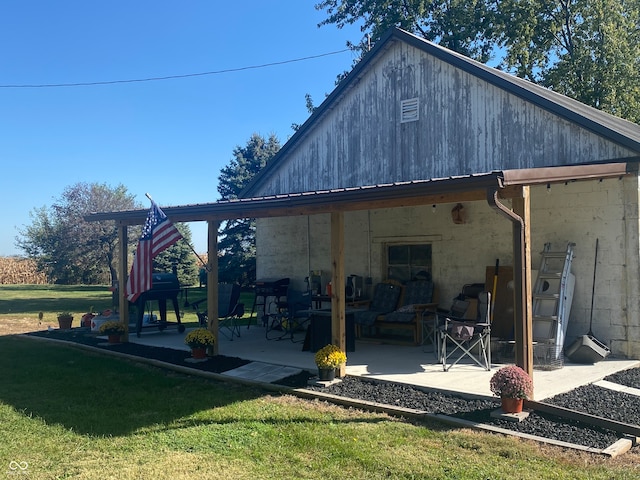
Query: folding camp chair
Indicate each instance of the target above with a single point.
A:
(432, 322)
(468, 338)
(291, 315)
(229, 310)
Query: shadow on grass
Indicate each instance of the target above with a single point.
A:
(100, 395)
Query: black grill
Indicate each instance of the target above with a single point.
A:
(164, 286)
(272, 287)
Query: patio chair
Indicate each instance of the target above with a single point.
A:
(468, 338)
(384, 300)
(432, 320)
(417, 298)
(291, 316)
(229, 310)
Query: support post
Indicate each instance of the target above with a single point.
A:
(123, 303)
(212, 283)
(338, 329)
(524, 329)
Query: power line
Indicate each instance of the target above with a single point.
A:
(172, 77)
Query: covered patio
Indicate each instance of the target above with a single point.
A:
(408, 363)
(398, 363)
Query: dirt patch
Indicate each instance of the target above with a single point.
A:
(16, 325)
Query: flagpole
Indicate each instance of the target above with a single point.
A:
(206, 267)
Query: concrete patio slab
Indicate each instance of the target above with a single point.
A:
(405, 364)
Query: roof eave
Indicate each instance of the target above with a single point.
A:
(375, 196)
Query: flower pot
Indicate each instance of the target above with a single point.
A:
(113, 338)
(65, 322)
(512, 405)
(326, 374)
(86, 319)
(199, 352)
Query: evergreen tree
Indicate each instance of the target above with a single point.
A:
(180, 257)
(236, 247)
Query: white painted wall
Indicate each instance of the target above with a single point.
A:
(577, 212)
(582, 212)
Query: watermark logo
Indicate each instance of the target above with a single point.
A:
(18, 468)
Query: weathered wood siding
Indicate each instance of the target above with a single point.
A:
(465, 125)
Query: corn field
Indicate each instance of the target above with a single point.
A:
(16, 270)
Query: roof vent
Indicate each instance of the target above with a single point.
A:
(409, 110)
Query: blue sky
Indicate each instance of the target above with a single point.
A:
(169, 138)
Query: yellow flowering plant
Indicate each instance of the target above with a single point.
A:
(199, 338)
(112, 327)
(330, 356)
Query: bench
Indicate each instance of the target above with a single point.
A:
(412, 300)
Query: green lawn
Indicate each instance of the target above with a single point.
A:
(27, 301)
(69, 413)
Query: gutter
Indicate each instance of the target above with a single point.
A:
(523, 334)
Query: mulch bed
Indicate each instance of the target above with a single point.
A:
(217, 364)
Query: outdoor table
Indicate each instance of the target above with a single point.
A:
(320, 328)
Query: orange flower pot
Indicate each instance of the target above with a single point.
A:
(199, 352)
(512, 405)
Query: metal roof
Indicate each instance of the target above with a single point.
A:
(322, 201)
(421, 192)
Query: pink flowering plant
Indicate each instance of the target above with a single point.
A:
(511, 382)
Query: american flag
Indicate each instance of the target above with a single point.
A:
(158, 234)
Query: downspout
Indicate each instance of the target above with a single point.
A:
(523, 334)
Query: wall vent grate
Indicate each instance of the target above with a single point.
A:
(409, 110)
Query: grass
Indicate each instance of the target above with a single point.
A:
(69, 413)
(20, 305)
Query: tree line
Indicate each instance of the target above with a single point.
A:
(588, 50)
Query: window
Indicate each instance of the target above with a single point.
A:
(404, 262)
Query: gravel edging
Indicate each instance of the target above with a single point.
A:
(589, 399)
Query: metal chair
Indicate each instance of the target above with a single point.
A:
(291, 315)
(229, 310)
(432, 323)
(469, 338)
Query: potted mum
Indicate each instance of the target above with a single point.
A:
(65, 319)
(328, 358)
(85, 320)
(512, 384)
(113, 330)
(199, 339)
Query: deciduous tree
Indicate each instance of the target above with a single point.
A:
(69, 249)
(586, 49)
